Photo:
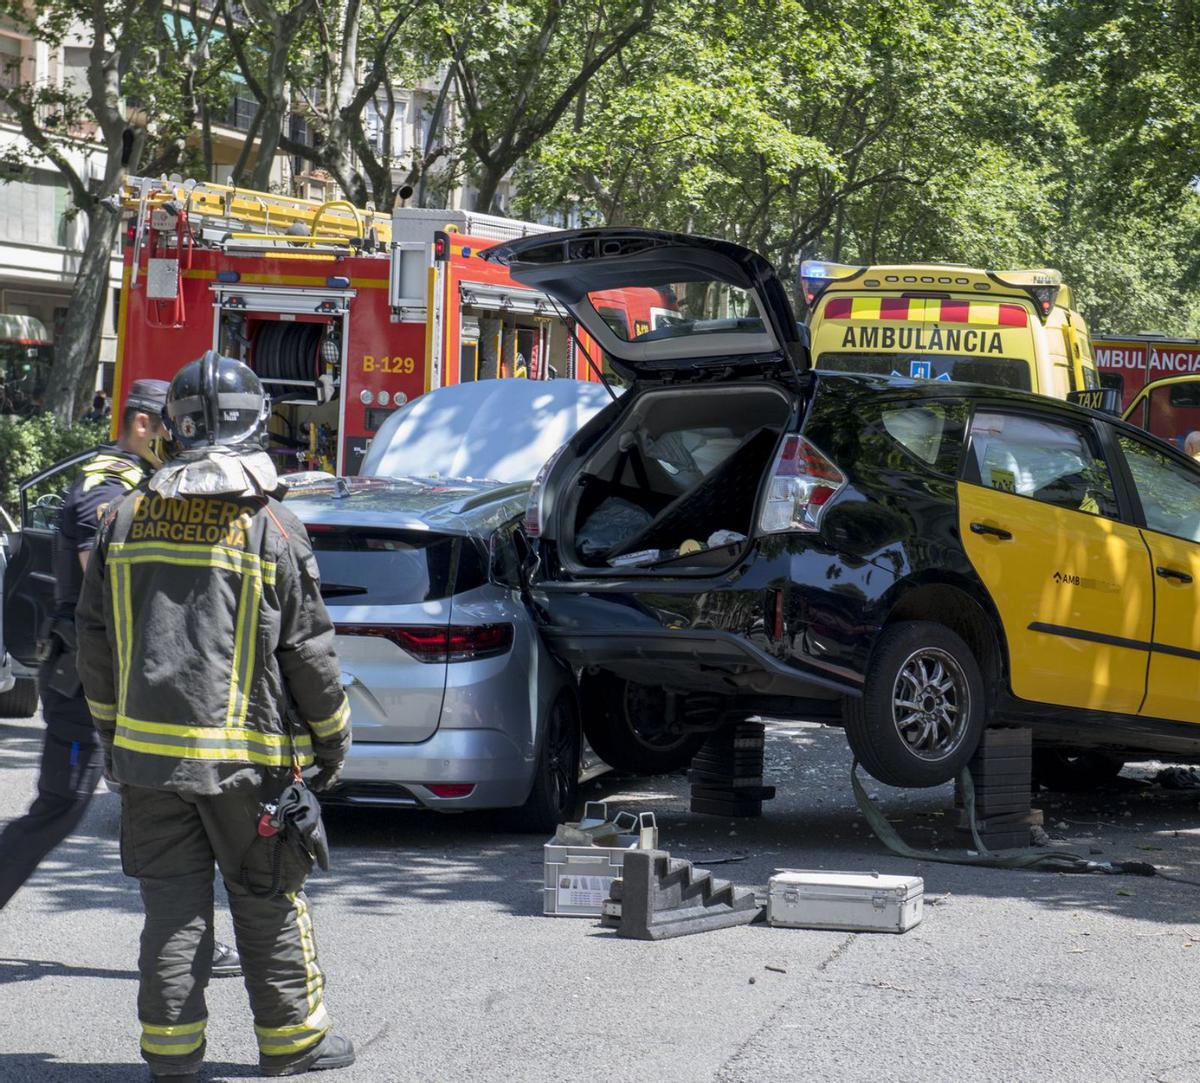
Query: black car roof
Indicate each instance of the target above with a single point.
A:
(946, 389)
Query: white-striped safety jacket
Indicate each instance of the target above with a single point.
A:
(199, 621)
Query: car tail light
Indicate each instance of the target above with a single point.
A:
(429, 643)
(451, 789)
(535, 506)
(802, 482)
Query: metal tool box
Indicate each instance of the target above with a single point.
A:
(854, 901)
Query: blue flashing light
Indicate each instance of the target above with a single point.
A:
(815, 269)
(228, 276)
(337, 282)
(466, 253)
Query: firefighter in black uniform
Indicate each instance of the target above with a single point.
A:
(208, 661)
(71, 758)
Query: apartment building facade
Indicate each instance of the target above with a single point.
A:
(41, 240)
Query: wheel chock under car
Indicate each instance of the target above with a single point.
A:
(658, 897)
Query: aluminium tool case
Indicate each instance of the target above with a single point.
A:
(854, 901)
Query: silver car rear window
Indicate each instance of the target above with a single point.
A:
(363, 566)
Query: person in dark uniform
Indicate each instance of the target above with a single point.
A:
(208, 660)
(72, 762)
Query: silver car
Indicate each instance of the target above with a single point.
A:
(455, 702)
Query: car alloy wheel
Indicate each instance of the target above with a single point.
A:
(634, 728)
(923, 706)
(562, 757)
(930, 701)
(554, 793)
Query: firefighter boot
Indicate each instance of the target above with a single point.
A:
(226, 962)
(332, 1051)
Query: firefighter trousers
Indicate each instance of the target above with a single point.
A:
(169, 842)
(72, 764)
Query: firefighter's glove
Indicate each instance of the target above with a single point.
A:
(326, 777)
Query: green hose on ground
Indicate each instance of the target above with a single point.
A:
(1031, 858)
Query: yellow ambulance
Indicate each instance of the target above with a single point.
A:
(945, 322)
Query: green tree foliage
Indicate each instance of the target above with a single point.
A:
(28, 445)
(990, 132)
(998, 133)
(520, 66)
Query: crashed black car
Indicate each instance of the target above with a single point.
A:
(913, 560)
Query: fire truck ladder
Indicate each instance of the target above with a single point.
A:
(240, 219)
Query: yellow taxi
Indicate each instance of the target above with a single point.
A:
(1170, 409)
(1015, 329)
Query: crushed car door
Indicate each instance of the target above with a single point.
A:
(1038, 517)
(29, 577)
(659, 303)
(1168, 490)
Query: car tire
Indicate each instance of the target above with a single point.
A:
(625, 725)
(554, 797)
(1065, 770)
(20, 701)
(928, 737)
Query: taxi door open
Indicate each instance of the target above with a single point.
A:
(1039, 521)
(1169, 492)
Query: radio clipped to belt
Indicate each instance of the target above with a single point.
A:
(56, 652)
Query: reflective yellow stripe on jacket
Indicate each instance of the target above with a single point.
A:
(231, 744)
(192, 556)
(105, 712)
(335, 723)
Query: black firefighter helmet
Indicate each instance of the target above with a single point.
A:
(216, 401)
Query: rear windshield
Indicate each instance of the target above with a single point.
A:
(996, 371)
(678, 310)
(393, 567)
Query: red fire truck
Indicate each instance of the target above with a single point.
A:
(1129, 362)
(344, 314)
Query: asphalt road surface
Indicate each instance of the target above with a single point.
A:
(441, 966)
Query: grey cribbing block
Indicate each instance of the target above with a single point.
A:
(1002, 770)
(726, 775)
(663, 897)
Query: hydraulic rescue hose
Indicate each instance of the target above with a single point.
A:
(1048, 860)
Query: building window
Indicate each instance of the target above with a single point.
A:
(373, 124)
(33, 211)
(75, 69)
